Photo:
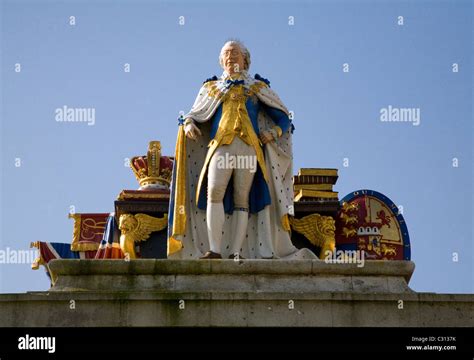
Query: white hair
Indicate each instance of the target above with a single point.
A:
(243, 49)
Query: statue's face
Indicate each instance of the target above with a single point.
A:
(232, 59)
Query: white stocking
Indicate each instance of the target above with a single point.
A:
(240, 220)
(215, 218)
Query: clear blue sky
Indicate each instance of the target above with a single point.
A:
(336, 113)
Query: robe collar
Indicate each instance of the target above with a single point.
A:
(243, 78)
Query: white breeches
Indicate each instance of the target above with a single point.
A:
(237, 158)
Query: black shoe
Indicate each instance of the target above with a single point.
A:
(233, 257)
(211, 255)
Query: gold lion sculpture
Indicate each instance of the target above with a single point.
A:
(319, 230)
(136, 228)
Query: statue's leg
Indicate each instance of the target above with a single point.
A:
(243, 178)
(217, 178)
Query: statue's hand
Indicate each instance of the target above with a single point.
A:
(191, 130)
(266, 137)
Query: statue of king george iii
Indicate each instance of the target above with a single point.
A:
(232, 191)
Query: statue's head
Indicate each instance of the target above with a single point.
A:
(234, 57)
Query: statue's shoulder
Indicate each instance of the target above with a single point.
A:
(209, 80)
(209, 87)
(262, 79)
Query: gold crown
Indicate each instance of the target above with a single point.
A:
(152, 169)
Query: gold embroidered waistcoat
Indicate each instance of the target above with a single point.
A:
(235, 121)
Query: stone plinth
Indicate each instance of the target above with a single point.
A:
(255, 276)
(227, 293)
